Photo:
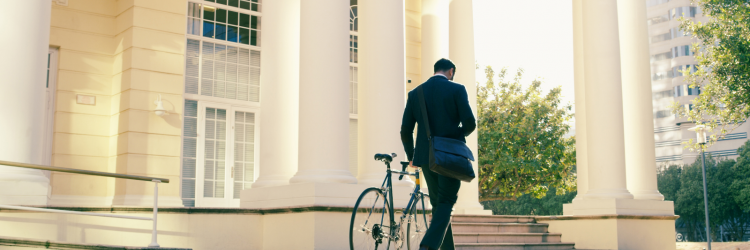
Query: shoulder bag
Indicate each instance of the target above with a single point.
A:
(448, 157)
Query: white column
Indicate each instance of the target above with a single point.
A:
(580, 101)
(604, 120)
(23, 70)
(324, 93)
(435, 15)
(279, 81)
(461, 46)
(637, 106)
(381, 49)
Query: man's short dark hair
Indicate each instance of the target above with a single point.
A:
(443, 65)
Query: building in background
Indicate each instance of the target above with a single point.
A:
(671, 53)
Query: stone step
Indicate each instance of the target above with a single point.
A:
(493, 219)
(506, 238)
(515, 246)
(463, 227)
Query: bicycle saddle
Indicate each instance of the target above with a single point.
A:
(387, 158)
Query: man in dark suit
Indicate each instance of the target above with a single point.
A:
(449, 116)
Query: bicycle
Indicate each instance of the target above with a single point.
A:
(373, 223)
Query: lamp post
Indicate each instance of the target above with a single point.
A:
(700, 131)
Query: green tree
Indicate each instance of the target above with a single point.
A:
(551, 204)
(723, 70)
(668, 181)
(741, 185)
(522, 144)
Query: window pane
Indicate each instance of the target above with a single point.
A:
(221, 32)
(221, 15)
(232, 33)
(211, 1)
(221, 1)
(245, 20)
(208, 13)
(244, 36)
(255, 7)
(254, 37)
(245, 5)
(234, 3)
(208, 29)
(233, 17)
(255, 22)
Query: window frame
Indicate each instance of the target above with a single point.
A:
(228, 199)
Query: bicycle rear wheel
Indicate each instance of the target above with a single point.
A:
(418, 223)
(371, 221)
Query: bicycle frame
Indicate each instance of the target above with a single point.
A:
(387, 188)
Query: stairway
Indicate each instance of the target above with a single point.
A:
(499, 232)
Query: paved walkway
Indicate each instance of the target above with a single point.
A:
(714, 245)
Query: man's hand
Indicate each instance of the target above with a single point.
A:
(411, 164)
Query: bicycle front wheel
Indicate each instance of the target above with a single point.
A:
(418, 223)
(370, 226)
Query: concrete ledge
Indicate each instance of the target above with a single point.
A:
(195, 210)
(608, 217)
(30, 243)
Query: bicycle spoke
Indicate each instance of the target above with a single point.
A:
(370, 225)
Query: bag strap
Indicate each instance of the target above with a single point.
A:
(425, 117)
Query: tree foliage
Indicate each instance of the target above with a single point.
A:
(726, 183)
(550, 204)
(522, 144)
(723, 70)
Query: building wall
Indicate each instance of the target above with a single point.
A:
(125, 53)
(670, 131)
(84, 33)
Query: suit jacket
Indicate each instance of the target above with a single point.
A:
(449, 112)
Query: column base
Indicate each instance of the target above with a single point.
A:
(643, 232)
(145, 201)
(608, 194)
(313, 194)
(80, 201)
(24, 187)
(471, 211)
(618, 207)
(647, 195)
(323, 176)
(271, 181)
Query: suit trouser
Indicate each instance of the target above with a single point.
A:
(443, 194)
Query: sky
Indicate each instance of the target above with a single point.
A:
(536, 35)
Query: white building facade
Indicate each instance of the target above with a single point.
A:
(672, 52)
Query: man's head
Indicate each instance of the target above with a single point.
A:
(445, 67)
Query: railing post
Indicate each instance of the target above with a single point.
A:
(156, 202)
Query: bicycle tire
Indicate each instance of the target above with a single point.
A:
(365, 231)
(417, 227)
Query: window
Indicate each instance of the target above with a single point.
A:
(231, 24)
(685, 90)
(679, 51)
(660, 76)
(219, 154)
(253, 5)
(663, 94)
(662, 114)
(679, 70)
(650, 3)
(353, 58)
(662, 56)
(658, 19)
(49, 106)
(222, 92)
(673, 33)
(222, 71)
(686, 12)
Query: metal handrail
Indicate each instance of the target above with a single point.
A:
(79, 171)
(95, 173)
